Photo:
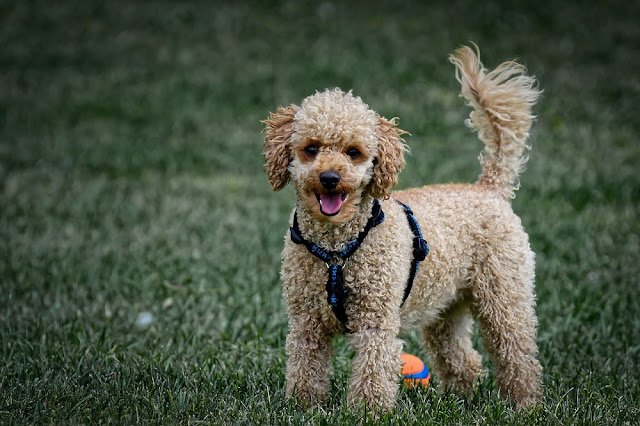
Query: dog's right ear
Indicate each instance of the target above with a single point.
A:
(277, 145)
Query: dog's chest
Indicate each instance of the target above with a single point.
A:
(374, 276)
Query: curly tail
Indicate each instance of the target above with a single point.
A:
(502, 100)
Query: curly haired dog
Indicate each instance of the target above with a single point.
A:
(343, 159)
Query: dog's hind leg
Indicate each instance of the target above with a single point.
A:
(504, 308)
(451, 355)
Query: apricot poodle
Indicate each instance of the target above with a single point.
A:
(354, 258)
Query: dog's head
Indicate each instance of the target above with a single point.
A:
(335, 150)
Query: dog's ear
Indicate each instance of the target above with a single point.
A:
(277, 145)
(390, 158)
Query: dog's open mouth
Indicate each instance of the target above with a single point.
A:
(331, 202)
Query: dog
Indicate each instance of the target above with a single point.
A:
(343, 159)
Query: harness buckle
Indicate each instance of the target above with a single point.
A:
(336, 261)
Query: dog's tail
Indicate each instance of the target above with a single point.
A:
(502, 100)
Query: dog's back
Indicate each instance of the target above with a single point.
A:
(465, 224)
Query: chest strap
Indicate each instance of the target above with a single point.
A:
(336, 291)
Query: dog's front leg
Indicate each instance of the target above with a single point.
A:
(376, 367)
(309, 354)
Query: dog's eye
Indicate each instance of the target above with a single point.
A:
(353, 153)
(311, 150)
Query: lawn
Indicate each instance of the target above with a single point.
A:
(140, 241)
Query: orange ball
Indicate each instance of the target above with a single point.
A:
(414, 371)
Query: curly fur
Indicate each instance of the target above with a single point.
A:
(480, 267)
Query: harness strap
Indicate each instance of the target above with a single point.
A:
(337, 293)
(420, 249)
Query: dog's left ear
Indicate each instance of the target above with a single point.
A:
(390, 159)
(277, 145)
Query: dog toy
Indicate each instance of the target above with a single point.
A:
(414, 371)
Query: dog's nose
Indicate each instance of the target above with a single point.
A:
(329, 180)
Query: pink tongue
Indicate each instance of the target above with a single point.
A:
(330, 203)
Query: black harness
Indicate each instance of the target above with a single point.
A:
(335, 261)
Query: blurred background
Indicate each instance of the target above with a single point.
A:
(140, 241)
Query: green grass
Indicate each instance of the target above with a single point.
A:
(131, 182)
